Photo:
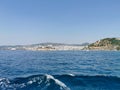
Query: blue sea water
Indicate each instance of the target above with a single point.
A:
(59, 70)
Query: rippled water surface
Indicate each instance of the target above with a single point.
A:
(59, 70)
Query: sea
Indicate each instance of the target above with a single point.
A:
(59, 70)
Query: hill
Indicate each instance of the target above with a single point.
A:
(105, 44)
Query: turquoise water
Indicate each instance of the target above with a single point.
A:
(59, 70)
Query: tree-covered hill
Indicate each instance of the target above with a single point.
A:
(105, 44)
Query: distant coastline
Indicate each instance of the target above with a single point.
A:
(46, 47)
(106, 44)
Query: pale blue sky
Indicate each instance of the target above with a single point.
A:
(63, 21)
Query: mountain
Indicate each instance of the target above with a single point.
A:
(105, 44)
(60, 44)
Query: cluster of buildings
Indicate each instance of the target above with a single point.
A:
(44, 47)
(51, 47)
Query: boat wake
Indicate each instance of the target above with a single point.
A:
(61, 82)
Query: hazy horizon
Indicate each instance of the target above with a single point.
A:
(53, 42)
(64, 21)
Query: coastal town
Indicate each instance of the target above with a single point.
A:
(103, 44)
(44, 47)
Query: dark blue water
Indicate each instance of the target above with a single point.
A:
(59, 70)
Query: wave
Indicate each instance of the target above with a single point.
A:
(61, 82)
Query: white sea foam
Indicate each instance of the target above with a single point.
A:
(71, 75)
(61, 84)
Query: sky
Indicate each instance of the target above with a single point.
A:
(59, 21)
